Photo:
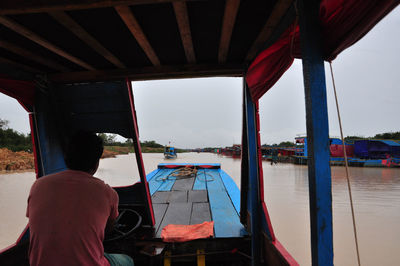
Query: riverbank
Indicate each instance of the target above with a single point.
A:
(12, 161)
(112, 151)
(21, 160)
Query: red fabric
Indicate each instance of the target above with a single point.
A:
(23, 91)
(68, 213)
(33, 136)
(188, 166)
(138, 153)
(337, 150)
(270, 65)
(183, 233)
(343, 23)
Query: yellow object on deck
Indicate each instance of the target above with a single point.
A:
(201, 258)
(167, 258)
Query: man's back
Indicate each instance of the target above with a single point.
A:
(68, 213)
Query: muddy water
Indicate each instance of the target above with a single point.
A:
(376, 195)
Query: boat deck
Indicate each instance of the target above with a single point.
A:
(210, 195)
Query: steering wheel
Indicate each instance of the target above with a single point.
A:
(126, 223)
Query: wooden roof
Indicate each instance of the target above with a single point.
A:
(94, 40)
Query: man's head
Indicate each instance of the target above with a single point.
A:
(83, 152)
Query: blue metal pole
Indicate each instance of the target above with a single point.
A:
(253, 202)
(317, 134)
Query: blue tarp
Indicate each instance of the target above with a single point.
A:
(376, 149)
(390, 142)
(335, 141)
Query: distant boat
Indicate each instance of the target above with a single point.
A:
(360, 152)
(170, 152)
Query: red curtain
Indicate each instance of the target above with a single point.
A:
(23, 91)
(343, 23)
(270, 64)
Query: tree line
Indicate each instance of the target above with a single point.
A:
(14, 140)
(386, 135)
(110, 140)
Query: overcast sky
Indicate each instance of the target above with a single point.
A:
(206, 112)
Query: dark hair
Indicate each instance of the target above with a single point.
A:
(83, 151)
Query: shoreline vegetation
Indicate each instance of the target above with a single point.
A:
(113, 150)
(16, 148)
(22, 160)
(13, 161)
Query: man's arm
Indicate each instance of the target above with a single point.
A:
(29, 198)
(113, 213)
(109, 226)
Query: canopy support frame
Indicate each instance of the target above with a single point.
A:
(319, 172)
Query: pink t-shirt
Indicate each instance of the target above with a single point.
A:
(68, 213)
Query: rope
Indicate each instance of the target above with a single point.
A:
(183, 173)
(347, 167)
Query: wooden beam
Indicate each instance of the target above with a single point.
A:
(231, 9)
(82, 34)
(39, 40)
(32, 56)
(319, 170)
(13, 7)
(18, 65)
(151, 73)
(184, 28)
(130, 21)
(279, 10)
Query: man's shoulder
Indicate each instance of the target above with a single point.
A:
(49, 177)
(103, 184)
(75, 176)
(71, 176)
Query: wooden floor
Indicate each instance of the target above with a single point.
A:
(211, 195)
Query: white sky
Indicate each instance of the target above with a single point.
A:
(206, 112)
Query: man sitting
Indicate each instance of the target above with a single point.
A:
(69, 211)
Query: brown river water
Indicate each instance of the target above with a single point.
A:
(376, 196)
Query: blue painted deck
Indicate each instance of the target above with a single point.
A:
(209, 196)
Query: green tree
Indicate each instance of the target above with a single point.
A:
(286, 144)
(108, 139)
(3, 123)
(350, 138)
(14, 140)
(151, 144)
(388, 135)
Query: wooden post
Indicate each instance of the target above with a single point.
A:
(317, 134)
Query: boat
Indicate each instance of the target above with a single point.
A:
(233, 151)
(169, 152)
(359, 152)
(71, 66)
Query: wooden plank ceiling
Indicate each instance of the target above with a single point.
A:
(89, 40)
